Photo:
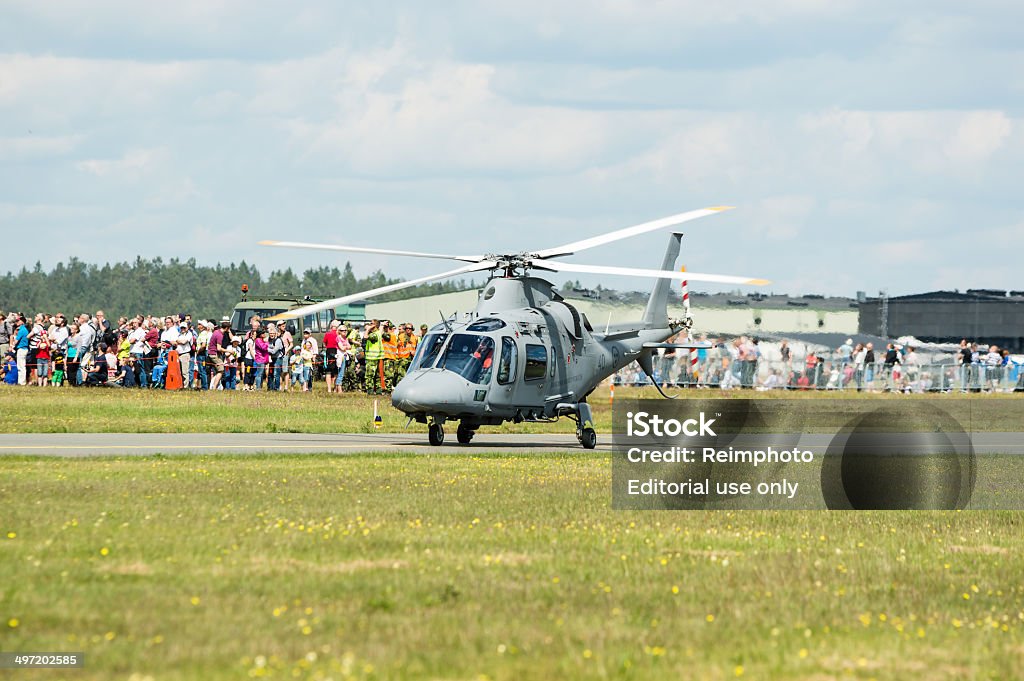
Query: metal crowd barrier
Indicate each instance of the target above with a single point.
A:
(831, 373)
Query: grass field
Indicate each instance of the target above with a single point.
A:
(477, 566)
(67, 410)
(496, 567)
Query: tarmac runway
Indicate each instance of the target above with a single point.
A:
(140, 444)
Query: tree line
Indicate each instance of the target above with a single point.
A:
(161, 287)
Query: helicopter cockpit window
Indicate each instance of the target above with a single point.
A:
(489, 324)
(470, 356)
(489, 293)
(427, 351)
(507, 363)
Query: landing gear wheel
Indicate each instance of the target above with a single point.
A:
(435, 433)
(588, 438)
(464, 435)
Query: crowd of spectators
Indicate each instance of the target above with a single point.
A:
(154, 352)
(90, 350)
(746, 362)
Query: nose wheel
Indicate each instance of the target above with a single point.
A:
(435, 433)
(587, 438)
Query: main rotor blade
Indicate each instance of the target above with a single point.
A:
(335, 302)
(660, 274)
(381, 251)
(643, 228)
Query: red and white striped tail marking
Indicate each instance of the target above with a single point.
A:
(686, 311)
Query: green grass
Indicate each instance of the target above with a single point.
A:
(497, 567)
(33, 410)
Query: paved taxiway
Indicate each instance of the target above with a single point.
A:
(127, 444)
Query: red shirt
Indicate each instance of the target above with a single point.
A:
(331, 340)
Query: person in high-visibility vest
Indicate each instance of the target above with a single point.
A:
(374, 346)
(407, 341)
(389, 339)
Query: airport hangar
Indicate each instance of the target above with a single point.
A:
(987, 316)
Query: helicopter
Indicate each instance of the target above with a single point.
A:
(525, 354)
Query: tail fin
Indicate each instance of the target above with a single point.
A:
(656, 314)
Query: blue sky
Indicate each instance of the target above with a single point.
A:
(866, 145)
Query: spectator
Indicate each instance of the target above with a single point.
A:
(160, 366)
(295, 362)
(287, 341)
(35, 333)
(232, 358)
(261, 357)
(183, 344)
(344, 350)
(59, 334)
(203, 352)
(10, 369)
(96, 370)
(42, 360)
(277, 362)
(993, 368)
(21, 349)
(309, 354)
(215, 351)
(138, 349)
(331, 343)
(7, 323)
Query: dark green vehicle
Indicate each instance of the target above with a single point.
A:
(317, 323)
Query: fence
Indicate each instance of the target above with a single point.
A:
(939, 374)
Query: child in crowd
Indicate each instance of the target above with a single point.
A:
(232, 355)
(9, 371)
(308, 356)
(295, 362)
(42, 360)
(57, 360)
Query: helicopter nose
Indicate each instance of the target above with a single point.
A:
(430, 391)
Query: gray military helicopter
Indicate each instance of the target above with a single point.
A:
(525, 353)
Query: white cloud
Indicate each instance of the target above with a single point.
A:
(132, 163)
(409, 117)
(979, 135)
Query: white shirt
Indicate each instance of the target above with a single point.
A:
(169, 335)
(184, 342)
(138, 340)
(59, 336)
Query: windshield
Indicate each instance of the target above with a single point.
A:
(427, 351)
(470, 356)
(240, 318)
